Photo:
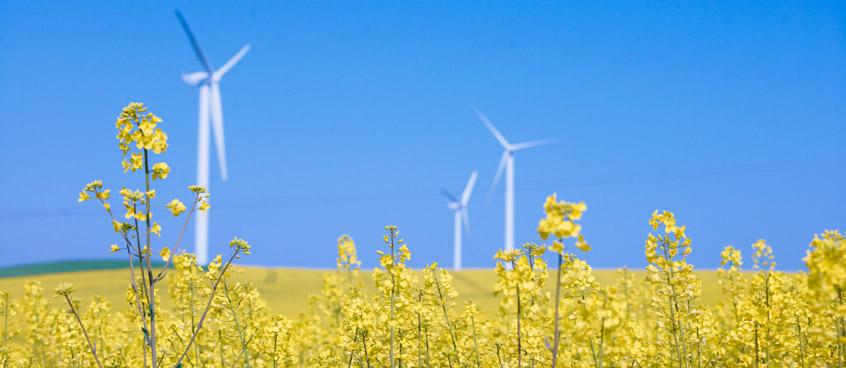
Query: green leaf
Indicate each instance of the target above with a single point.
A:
(146, 336)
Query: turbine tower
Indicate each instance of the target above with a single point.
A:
(209, 105)
(461, 219)
(507, 162)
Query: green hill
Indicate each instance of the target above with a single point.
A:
(64, 266)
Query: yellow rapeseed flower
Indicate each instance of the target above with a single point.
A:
(176, 207)
(165, 253)
(240, 245)
(65, 289)
(581, 244)
(160, 170)
(557, 247)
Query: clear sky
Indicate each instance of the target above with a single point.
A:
(348, 116)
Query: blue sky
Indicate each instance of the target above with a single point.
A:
(348, 116)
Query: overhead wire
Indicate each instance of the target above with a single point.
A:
(613, 180)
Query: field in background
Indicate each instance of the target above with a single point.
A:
(286, 290)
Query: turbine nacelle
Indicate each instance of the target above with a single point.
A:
(509, 148)
(461, 204)
(195, 79)
(198, 78)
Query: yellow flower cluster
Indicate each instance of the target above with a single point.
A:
(347, 256)
(96, 188)
(135, 126)
(560, 221)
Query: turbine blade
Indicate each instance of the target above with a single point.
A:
(520, 146)
(465, 221)
(493, 130)
(498, 173)
(217, 127)
(200, 55)
(468, 189)
(448, 195)
(203, 138)
(229, 64)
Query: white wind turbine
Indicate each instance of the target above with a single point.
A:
(209, 104)
(461, 219)
(507, 161)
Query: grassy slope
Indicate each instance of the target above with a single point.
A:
(286, 290)
(64, 266)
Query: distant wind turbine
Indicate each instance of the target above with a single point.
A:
(209, 104)
(461, 218)
(507, 162)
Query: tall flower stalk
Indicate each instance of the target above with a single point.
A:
(140, 137)
(560, 222)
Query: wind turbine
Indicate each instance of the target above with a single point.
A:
(507, 162)
(461, 219)
(209, 104)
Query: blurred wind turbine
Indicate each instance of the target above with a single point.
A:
(507, 162)
(209, 104)
(461, 219)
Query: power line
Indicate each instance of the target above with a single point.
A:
(741, 170)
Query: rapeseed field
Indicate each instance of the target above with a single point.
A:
(527, 312)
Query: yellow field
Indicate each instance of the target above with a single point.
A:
(286, 290)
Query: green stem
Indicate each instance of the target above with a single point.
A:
(590, 339)
(756, 346)
(275, 359)
(364, 344)
(237, 325)
(141, 313)
(446, 317)
(498, 358)
(673, 305)
(193, 324)
(801, 349)
(102, 344)
(81, 326)
(419, 333)
(393, 290)
(769, 318)
(352, 353)
(519, 312)
(840, 329)
(475, 343)
(220, 339)
(147, 254)
(428, 357)
(555, 337)
(602, 332)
